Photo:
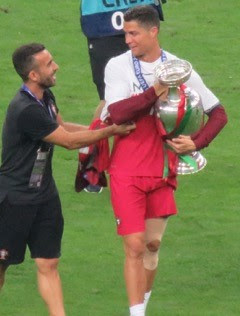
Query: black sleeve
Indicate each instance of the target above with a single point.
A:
(36, 122)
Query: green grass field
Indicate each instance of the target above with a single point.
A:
(199, 261)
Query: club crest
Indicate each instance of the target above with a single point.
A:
(118, 221)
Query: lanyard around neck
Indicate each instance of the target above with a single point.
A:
(138, 72)
(26, 89)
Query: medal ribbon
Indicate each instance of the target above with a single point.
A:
(26, 89)
(138, 72)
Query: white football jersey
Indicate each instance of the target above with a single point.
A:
(122, 83)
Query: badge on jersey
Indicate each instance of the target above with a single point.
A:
(118, 221)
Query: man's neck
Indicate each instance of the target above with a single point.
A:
(35, 89)
(152, 56)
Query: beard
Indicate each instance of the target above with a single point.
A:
(47, 82)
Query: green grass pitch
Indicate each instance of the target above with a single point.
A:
(199, 259)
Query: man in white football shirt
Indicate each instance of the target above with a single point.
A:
(142, 172)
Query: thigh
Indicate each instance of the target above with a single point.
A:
(45, 237)
(161, 201)
(129, 204)
(155, 228)
(15, 225)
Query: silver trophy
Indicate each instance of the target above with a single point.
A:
(182, 113)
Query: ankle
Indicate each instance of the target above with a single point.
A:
(137, 310)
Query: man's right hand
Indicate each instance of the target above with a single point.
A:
(75, 140)
(161, 91)
(123, 129)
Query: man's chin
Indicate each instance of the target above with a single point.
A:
(135, 52)
(137, 55)
(48, 85)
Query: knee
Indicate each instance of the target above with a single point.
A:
(153, 246)
(47, 265)
(150, 259)
(135, 249)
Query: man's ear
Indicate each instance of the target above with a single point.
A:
(154, 31)
(33, 75)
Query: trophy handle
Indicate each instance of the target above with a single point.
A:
(192, 163)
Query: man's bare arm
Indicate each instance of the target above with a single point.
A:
(74, 140)
(71, 127)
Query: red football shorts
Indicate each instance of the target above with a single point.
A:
(135, 199)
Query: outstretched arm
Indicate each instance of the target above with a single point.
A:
(71, 127)
(74, 140)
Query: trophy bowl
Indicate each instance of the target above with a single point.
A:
(173, 73)
(182, 111)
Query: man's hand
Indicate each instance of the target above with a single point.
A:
(123, 129)
(161, 91)
(182, 144)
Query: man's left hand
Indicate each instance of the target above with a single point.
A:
(182, 144)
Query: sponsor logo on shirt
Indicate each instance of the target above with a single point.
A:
(53, 109)
(137, 88)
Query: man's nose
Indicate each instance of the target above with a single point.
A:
(127, 39)
(56, 67)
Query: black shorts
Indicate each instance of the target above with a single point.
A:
(101, 50)
(39, 227)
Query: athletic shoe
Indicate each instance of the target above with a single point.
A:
(93, 188)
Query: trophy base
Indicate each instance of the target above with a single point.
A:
(192, 163)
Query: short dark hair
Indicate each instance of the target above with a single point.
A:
(23, 59)
(145, 15)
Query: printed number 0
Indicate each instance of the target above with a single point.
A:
(117, 20)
